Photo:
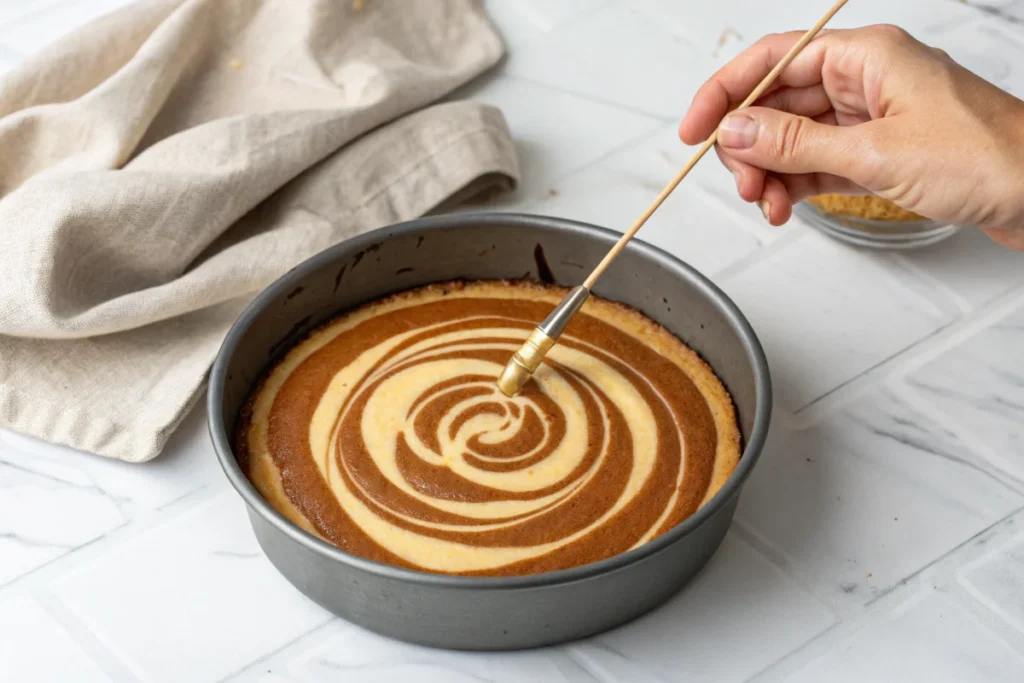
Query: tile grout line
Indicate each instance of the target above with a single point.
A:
(964, 329)
(944, 556)
(95, 647)
(38, 583)
(962, 305)
(783, 563)
(899, 365)
(649, 132)
(80, 557)
(664, 120)
(765, 251)
(317, 634)
(901, 593)
(999, 467)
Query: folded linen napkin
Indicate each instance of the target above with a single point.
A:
(163, 164)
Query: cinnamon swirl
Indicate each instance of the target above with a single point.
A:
(383, 432)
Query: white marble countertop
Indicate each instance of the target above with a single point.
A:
(879, 538)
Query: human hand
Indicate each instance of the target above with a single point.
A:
(868, 110)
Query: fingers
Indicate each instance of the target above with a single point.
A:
(776, 193)
(749, 180)
(811, 101)
(807, 185)
(776, 204)
(737, 79)
(784, 143)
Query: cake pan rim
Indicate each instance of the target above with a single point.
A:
(222, 441)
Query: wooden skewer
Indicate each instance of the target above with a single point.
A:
(529, 357)
(708, 144)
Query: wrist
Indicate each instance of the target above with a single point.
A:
(1011, 197)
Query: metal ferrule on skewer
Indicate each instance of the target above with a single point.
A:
(528, 358)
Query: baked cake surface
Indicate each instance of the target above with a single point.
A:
(384, 433)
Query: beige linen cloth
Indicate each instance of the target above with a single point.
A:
(163, 164)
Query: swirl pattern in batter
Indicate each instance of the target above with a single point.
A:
(385, 434)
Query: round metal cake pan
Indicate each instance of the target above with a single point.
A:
(485, 613)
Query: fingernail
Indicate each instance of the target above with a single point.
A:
(738, 177)
(766, 209)
(737, 131)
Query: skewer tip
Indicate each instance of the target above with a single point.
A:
(524, 363)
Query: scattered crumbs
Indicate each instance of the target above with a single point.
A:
(664, 299)
(552, 192)
(870, 575)
(895, 519)
(848, 587)
(357, 5)
(809, 460)
(236, 64)
(728, 33)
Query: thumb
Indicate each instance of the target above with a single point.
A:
(784, 143)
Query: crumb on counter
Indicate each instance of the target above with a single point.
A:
(236, 64)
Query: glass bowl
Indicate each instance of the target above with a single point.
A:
(874, 234)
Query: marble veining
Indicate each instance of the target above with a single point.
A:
(880, 538)
(979, 385)
(881, 491)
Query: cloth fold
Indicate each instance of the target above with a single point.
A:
(165, 163)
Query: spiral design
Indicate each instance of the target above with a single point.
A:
(385, 433)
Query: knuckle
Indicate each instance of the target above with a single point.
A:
(892, 34)
(789, 138)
